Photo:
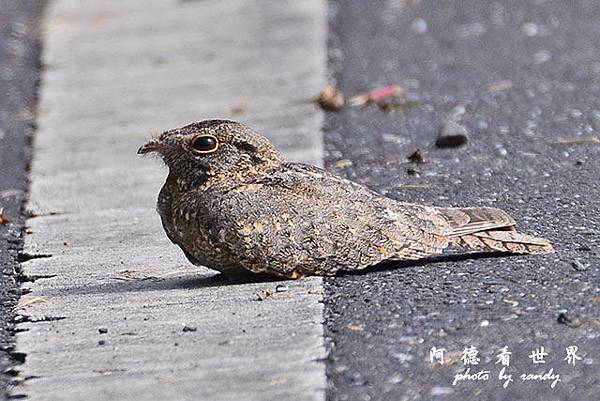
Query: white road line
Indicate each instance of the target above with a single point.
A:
(116, 72)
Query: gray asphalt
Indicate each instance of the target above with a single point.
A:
(528, 75)
(19, 55)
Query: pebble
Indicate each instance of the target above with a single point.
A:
(595, 119)
(530, 29)
(282, 288)
(412, 171)
(102, 330)
(419, 25)
(457, 112)
(542, 56)
(188, 329)
(481, 124)
(568, 320)
(452, 135)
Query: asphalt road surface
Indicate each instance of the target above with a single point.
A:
(527, 76)
(19, 55)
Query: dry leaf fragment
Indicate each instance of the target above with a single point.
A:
(416, 157)
(511, 302)
(377, 96)
(343, 163)
(500, 86)
(355, 327)
(3, 220)
(264, 294)
(31, 301)
(330, 99)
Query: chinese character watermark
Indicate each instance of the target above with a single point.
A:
(469, 356)
(437, 355)
(572, 355)
(538, 355)
(503, 356)
(507, 374)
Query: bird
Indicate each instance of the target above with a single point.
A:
(233, 204)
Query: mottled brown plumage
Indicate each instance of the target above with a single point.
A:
(231, 202)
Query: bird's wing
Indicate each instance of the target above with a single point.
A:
(305, 220)
(470, 220)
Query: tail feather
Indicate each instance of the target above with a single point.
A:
(490, 229)
(504, 241)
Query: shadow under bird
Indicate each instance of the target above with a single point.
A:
(232, 203)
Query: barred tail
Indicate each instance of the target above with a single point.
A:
(504, 241)
(490, 229)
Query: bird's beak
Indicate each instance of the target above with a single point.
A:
(152, 146)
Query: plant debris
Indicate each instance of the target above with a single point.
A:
(3, 220)
(501, 86)
(32, 214)
(378, 96)
(343, 163)
(330, 99)
(31, 301)
(264, 294)
(355, 327)
(415, 186)
(576, 141)
(416, 157)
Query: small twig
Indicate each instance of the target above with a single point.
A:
(576, 141)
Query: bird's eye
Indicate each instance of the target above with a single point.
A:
(205, 144)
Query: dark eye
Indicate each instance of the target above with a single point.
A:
(205, 144)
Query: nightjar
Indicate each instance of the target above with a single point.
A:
(231, 202)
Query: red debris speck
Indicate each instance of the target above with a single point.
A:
(377, 96)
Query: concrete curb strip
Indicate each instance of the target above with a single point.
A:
(118, 313)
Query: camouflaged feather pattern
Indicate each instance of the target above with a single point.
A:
(242, 207)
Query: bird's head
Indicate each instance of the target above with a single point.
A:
(213, 150)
